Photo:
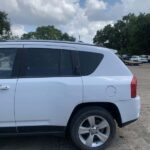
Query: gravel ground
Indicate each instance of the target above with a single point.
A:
(133, 137)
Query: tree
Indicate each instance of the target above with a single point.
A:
(66, 37)
(4, 26)
(30, 35)
(129, 35)
(48, 33)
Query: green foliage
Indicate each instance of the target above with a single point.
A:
(48, 33)
(4, 26)
(43, 32)
(129, 35)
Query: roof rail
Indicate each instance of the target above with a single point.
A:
(51, 41)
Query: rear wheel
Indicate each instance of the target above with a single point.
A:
(92, 128)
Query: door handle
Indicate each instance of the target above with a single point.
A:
(4, 87)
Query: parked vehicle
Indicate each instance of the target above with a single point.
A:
(148, 58)
(124, 55)
(132, 63)
(128, 62)
(136, 58)
(63, 88)
(144, 59)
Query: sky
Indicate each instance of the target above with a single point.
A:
(76, 17)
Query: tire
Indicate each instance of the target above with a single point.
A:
(97, 128)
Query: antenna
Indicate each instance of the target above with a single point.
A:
(79, 38)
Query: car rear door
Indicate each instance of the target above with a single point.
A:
(8, 81)
(47, 90)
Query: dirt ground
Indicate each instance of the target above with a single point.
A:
(133, 137)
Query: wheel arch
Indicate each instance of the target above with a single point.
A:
(110, 107)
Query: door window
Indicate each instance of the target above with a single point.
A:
(42, 63)
(47, 63)
(7, 58)
(66, 64)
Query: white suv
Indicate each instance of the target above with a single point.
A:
(65, 88)
(136, 58)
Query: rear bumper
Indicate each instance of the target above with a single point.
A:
(129, 110)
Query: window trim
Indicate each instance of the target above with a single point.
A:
(76, 63)
(17, 64)
(60, 60)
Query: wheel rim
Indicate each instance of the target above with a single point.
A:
(94, 131)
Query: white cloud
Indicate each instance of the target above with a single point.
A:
(9, 5)
(117, 10)
(68, 15)
(18, 30)
(136, 6)
(95, 4)
(37, 12)
(81, 26)
(65, 14)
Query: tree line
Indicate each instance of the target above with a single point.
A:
(130, 35)
(43, 32)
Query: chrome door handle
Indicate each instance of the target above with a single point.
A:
(4, 87)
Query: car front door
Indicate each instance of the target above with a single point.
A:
(8, 81)
(48, 89)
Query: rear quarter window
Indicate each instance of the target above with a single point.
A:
(89, 61)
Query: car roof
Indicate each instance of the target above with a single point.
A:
(46, 41)
(78, 45)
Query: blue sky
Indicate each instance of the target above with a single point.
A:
(111, 2)
(76, 17)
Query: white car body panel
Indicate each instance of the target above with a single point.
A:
(46, 101)
(7, 97)
(106, 89)
(129, 109)
(51, 101)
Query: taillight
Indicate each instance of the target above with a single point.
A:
(133, 87)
